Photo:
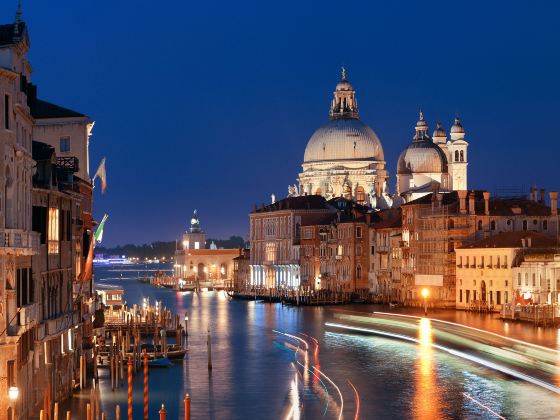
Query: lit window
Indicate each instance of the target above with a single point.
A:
(197, 245)
(53, 231)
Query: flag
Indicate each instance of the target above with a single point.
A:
(102, 174)
(88, 269)
(99, 231)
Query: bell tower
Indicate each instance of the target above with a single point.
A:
(457, 147)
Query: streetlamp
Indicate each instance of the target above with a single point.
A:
(425, 293)
(13, 394)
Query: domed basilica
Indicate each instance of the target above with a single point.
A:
(344, 158)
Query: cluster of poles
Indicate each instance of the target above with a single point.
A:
(92, 408)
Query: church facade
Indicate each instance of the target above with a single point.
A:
(344, 158)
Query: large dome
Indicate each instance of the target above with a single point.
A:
(343, 139)
(422, 157)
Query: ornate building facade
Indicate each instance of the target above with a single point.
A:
(433, 159)
(344, 157)
(46, 303)
(210, 267)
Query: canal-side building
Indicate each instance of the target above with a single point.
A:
(45, 211)
(385, 233)
(212, 267)
(275, 237)
(537, 277)
(242, 271)
(18, 242)
(334, 251)
(491, 272)
(58, 343)
(436, 224)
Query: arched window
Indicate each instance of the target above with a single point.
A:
(545, 225)
(480, 225)
(358, 250)
(524, 224)
(318, 191)
(462, 156)
(493, 225)
(360, 194)
(456, 156)
(359, 272)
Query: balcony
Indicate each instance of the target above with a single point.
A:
(28, 314)
(57, 325)
(19, 241)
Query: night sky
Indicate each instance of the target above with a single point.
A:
(209, 105)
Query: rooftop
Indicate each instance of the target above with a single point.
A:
(304, 202)
(42, 109)
(515, 240)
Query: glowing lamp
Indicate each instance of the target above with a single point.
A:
(425, 293)
(13, 393)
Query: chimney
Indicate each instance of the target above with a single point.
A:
(528, 242)
(486, 195)
(541, 198)
(530, 193)
(471, 203)
(439, 197)
(368, 218)
(553, 202)
(522, 242)
(462, 201)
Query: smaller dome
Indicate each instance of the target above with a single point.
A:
(457, 127)
(439, 131)
(344, 85)
(422, 157)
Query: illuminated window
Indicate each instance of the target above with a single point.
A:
(53, 238)
(197, 245)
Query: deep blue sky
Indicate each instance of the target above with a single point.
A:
(209, 105)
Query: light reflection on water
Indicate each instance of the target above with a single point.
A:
(254, 378)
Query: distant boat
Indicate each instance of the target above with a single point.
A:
(111, 261)
(160, 362)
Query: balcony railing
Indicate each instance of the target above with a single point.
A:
(20, 239)
(63, 322)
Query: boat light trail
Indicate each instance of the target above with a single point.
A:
(296, 351)
(503, 337)
(457, 353)
(337, 389)
(483, 406)
(357, 398)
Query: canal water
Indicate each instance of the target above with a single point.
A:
(261, 371)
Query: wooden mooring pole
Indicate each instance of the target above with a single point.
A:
(129, 389)
(187, 403)
(145, 386)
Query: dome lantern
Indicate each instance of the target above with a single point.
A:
(344, 103)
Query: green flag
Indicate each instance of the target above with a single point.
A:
(99, 232)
